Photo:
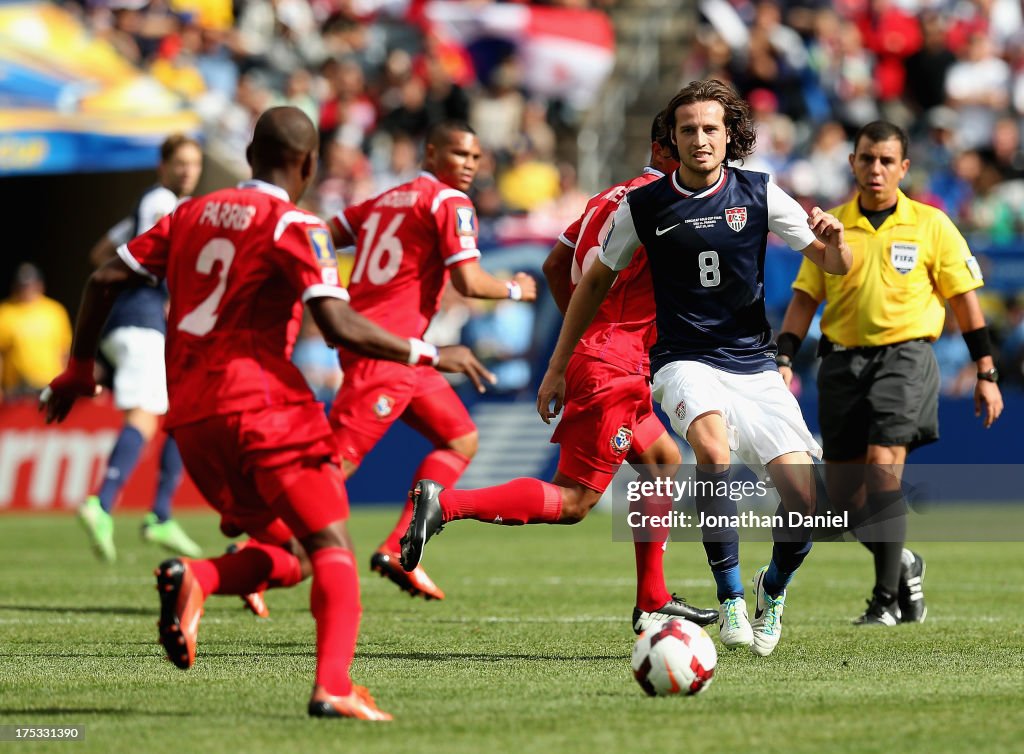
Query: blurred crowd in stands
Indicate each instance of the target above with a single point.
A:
(374, 74)
(951, 72)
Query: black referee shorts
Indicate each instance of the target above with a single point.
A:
(887, 395)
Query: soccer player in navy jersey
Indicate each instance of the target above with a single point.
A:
(133, 345)
(705, 230)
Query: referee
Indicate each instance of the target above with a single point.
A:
(878, 382)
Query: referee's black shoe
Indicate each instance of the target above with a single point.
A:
(880, 612)
(677, 607)
(426, 521)
(911, 596)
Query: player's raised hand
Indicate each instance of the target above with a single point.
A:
(825, 227)
(461, 359)
(76, 381)
(551, 395)
(987, 396)
(527, 286)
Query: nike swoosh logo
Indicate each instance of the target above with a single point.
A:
(663, 231)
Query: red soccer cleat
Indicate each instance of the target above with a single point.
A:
(358, 704)
(181, 607)
(415, 582)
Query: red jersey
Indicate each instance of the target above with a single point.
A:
(624, 328)
(239, 264)
(406, 241)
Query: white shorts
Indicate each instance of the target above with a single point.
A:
(762, 417)
(140, 379)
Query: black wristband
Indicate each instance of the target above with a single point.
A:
(978, 343)
(788, 344)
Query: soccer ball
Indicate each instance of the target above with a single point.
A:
(674, 657)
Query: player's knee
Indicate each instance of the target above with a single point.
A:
(333, 535)
(143, 421)
(576, 504)
(466, 445)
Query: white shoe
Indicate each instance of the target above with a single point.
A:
(767, 623)
(733, 624)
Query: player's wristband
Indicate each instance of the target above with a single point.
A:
(788, 344)
(978, 343)
(515, 291)
(423, 354)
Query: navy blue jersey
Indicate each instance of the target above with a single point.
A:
(142, 306)
(706, 253)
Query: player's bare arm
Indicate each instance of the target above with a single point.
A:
(988, 400)
(586, 300)
(473, 281)
(557, 271)
(103, 251)
(342, 325)
(830, 252)
(76, 380)
(795, 324)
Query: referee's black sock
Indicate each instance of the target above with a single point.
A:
(885, 535)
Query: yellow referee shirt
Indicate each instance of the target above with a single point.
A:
(901, 276)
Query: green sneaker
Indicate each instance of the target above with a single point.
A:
(100, 526)
(169, 535)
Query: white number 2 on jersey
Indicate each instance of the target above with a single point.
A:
(383, 257)
(201, 320)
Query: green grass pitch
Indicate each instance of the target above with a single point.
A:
(529, 652)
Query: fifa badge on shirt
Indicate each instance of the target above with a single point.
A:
(622, 440)
(903, 256)
(383, 406)
(465, 220)
(974, 268)
(323, 251)
(736, 217)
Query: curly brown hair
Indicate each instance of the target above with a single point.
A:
(738, 123)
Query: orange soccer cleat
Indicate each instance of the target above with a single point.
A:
(256, 604)
(358, 704)
(415, 582)
(181, 606)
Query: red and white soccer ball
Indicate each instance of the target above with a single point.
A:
(674, 657)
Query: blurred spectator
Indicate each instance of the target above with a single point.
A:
(497, 114)
(403, 164)
(892, 36)
(956, 369)
(347, 178)
(927, 68)
(529, 182)
(35, 335)
(978, 86)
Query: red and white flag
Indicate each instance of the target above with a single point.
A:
(564, 52)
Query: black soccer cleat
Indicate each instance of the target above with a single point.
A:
(181, 607)
(677, 607)
(911, 594)
(879, 613)
(426, 521)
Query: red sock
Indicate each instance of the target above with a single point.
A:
(334, 602)
(649, 547)
(444, 467)
(521, 501)
(255, 567)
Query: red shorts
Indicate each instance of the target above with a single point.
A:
(375, 393)
(268, 469)
(608, 418)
